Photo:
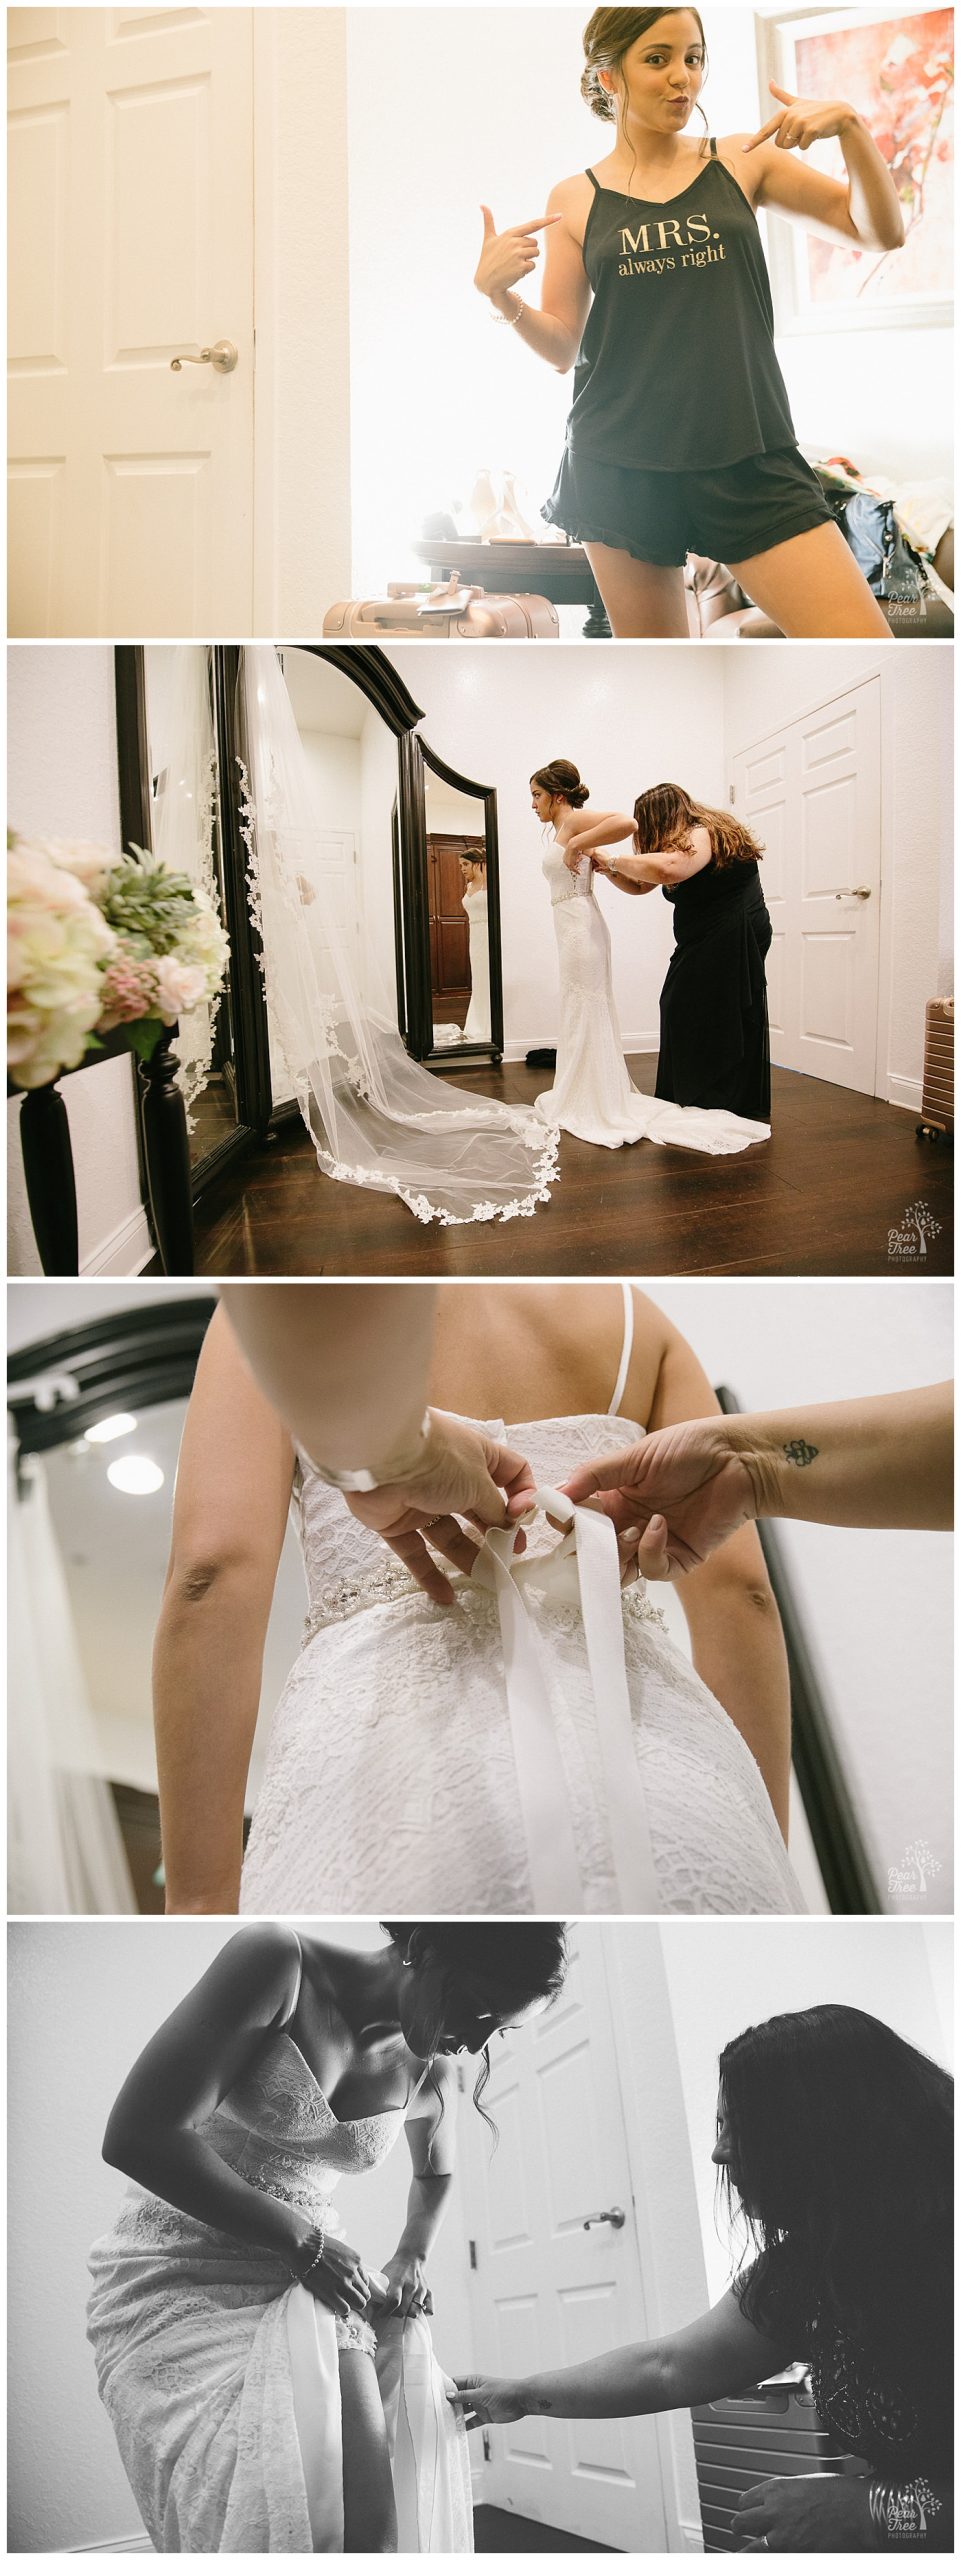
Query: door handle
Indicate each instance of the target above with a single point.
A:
(850, 893)
(614, 2214)
(222, 355)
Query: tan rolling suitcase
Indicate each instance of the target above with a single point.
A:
(451, 612)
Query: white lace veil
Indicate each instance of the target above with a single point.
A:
(183, 764)
(375, 1115)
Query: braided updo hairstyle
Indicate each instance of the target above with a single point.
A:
(563, 782)
(608, 36)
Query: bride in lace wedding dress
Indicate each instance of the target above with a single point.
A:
(540, 1745)
(592, 1096)
(268, 2391)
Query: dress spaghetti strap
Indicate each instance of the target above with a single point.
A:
(626, 1347)
(713, 146)
(285, 2020)
(595, 182)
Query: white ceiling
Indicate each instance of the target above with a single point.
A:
(322, 697)
(36, 1309)
(115, 1549)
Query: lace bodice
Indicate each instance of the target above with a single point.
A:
(562, 883)
(348, 1568)
(402, 1766)
(276, 2129)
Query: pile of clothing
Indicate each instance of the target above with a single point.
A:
(893, 528)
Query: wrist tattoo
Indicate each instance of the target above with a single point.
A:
(544, 2407)
(800, 1453)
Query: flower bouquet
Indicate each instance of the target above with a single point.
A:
(100, 944)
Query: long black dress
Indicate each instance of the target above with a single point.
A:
(714, 1033)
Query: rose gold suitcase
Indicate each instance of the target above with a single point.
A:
(451, 612)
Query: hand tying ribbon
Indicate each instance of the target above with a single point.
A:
(585, 1569)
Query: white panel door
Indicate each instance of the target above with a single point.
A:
(131, 242)
(548, 2292)
(812, 793)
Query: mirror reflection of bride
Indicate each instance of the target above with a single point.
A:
(592, 1096)
(474, 871)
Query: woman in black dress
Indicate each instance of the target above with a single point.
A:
(834, 2140)
(714, 1048)
(680, 437)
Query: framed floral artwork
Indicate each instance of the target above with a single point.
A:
(898, 72)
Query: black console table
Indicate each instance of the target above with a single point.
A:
(49, 1169)
(559, 570)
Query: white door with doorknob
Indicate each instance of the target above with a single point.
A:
(811, 792)
(556, 2266)
(131, 342)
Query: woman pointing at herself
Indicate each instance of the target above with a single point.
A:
(680, 436)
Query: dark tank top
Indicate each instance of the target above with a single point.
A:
(677, 369)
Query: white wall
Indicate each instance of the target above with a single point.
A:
(448, 109)
(774, 686)
(302, 468)
(877, 1604)
(626, 718)
(62, 781)
(724, 1978)
(84, 1998)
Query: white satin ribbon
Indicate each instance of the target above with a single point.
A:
(426, 2439)
(585, 1567)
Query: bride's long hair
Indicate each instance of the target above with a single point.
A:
(665, 814)
(517, 1962)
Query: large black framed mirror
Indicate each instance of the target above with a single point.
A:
(408, 845)
(447, 899)
(222, 1047)
(437, 827)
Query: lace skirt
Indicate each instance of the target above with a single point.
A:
(391, 1778)
(221, 2381)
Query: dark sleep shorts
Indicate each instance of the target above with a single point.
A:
(659, 516)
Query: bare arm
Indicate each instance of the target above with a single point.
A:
(181, 2076)
(669, 865)
(715, 2357)
(604, 831)
(345, 1366)
(230, 1511)
(880, 1462)
(431, 2140)
(737, 1641)
(555, 331)
(155, 2129)
(866, 211)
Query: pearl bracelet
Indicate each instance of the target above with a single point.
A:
(509, 319)
(301, 2273)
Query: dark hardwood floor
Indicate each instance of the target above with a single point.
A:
(840, 1172)
(496, 2529)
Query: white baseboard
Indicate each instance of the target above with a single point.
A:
(124, 2542)
(120, 1257)
(639, 1045)
(905, 1092)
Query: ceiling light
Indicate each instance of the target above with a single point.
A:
(135, 1475)
(115, 1427)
